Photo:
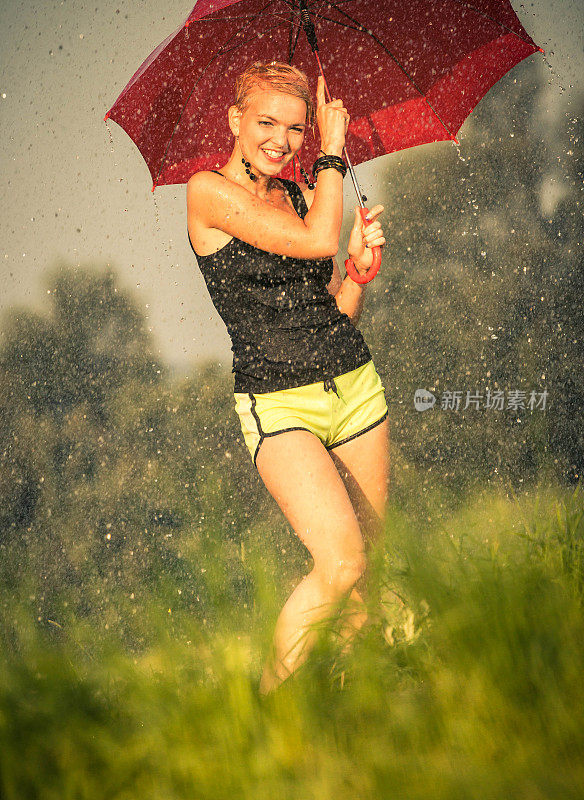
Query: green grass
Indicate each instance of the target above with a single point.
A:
(467, 684)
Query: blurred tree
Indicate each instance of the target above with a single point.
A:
(112, 477)
(472, 272)
(559, 325)
(92, 342)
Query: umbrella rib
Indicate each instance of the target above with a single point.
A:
(461, 3)
(403, 69)
(356, 27)
(219, 53)
(292, 44)
(319, 15)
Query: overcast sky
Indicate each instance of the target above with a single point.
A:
(69, 198)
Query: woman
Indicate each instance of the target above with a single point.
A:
(311, 405)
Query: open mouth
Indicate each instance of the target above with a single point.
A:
(273, 155)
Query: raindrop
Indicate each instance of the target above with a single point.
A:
(157, 215)
(111, 138)
(553, 72)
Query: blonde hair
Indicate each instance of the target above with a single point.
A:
(276, 75)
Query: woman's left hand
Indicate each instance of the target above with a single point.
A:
(369, 234)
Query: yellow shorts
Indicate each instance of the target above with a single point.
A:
(335, 410)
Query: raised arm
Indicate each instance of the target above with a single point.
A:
(216, 202)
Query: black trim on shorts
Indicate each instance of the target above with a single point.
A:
(262, 433)
(354, 435)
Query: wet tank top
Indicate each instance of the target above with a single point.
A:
(285, 327)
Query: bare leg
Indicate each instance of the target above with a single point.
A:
(301, 476)
(363, 464)
(353, 618)
(309, 603)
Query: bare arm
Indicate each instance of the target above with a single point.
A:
(216, 202)
(348, 295)
(350, 298)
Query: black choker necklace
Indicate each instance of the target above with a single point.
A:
(248, 170)
(304, 174)
(254, 177)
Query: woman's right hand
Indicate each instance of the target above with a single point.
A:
(333, 121)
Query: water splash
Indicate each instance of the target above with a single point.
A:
(555, 75)
(111, 138)
(471, 201)
(156, 212)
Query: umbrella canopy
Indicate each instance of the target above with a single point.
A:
(409, 73)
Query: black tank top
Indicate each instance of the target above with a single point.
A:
(286, 329)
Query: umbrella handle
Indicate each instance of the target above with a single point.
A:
(373, 269)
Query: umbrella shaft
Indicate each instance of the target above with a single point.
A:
(354, 179)
(347, 159)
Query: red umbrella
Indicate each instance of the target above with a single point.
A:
(408, 72)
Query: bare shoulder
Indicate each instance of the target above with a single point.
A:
(205, 189)
(202, 190)
(202, 182)
(216, 202)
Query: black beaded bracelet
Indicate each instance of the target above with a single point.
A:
(328, 159)
(327, 162)
(342, 170)
(324, 164)
(328, 166)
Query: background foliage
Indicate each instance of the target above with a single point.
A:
(143, 563)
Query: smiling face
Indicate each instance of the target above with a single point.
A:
(270, 129)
